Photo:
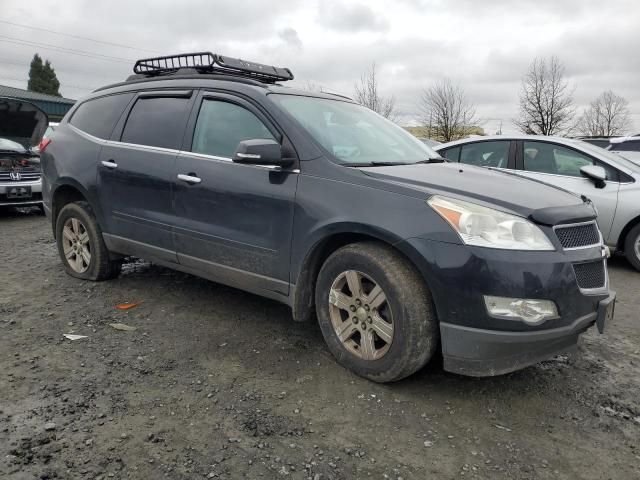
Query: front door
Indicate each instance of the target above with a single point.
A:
(233, 221)
(560, 166)
(136, 172)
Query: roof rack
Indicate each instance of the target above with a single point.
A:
(207, 62)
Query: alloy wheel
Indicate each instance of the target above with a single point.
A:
(361, 315)
(76, 245)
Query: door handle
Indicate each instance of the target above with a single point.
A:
(109, 164)
(190, 178)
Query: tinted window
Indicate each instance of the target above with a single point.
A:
(157, 121)
(486, 154)
(551, 158)
(631, 146)
(221, 126)
(452, 154)
(98, 117)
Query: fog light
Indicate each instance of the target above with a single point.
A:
(528, 310)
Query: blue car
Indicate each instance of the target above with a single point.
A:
(210, 165)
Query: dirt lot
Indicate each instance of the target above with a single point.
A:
(217, 383)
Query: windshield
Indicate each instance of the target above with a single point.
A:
(354, 134)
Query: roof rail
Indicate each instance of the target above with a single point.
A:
(207, 62)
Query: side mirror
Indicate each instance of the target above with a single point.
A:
(260, 151)
(595, 173)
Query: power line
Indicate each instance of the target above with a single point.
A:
(66, 85)
(26, 66)
(72, 51)
(79, 37)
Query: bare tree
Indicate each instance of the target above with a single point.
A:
(445, 108)
(607, 116)
(366, 93)
(546, 99)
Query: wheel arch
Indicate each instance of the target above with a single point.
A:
(326, 242)
(65, 191)
(625, 231)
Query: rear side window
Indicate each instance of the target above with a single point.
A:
(157, 122)
(98, 117)
(221, 126)
(486, 154)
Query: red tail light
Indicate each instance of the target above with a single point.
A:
(44, 143)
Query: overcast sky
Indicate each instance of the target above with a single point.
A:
(486, 46)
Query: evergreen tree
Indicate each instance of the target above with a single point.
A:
(42, 77)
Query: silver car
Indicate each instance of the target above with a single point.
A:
(22, 125)
(609, 180)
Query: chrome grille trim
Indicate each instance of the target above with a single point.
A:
(568, 239)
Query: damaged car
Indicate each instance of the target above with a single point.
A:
(22, 126)
(209, 165)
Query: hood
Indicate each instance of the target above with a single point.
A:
(22, 122)
(493, 188)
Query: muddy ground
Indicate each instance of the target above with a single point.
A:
(217, 383)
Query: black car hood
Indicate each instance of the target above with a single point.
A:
(22, 121)
(522, 196)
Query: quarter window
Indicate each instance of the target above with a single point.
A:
(99, 116)
(157, 122)
(555, 159)
(486, 154)
(221, 126)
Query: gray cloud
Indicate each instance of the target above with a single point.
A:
(350, 18)
(485, 46)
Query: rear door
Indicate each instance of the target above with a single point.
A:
(491, 153)
(560, 166)
(136, 171)
(233, 221)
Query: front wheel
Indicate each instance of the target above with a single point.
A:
(632, 247)
(80, 244)
(375, 312)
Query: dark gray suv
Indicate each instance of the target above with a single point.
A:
(206, 164)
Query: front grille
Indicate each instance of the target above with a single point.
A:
(590, 275)
(576, 236)
(24, 177)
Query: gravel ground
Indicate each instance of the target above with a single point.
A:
(217, 383)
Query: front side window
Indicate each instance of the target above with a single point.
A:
(221, 126)
(486, 154)
(353, 134)
(555, 159)
(157, 122)
(99, 116)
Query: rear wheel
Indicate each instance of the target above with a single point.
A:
(632, 247)
(375, 312)
(80, 244)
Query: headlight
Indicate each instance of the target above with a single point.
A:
(486, 227)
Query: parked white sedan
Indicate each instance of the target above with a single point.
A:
(610, 181)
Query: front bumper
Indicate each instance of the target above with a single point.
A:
(479, 352)
(35, 199)
(474, 342)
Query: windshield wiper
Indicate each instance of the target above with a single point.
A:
(394, 164)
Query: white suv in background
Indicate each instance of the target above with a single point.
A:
(628, 147)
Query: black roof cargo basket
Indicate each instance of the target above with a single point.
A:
(207, 62)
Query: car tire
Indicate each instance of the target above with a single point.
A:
(370, 283)
(81, 246)
(632, 247)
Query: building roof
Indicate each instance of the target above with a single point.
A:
(6, 91)
(54, 107)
